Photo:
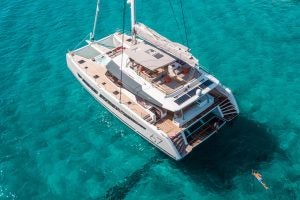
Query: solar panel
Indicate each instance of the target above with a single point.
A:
(206, 84)
(182, 99)
(192, 93)
(185, 97)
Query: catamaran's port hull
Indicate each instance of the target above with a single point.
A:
(145, 130)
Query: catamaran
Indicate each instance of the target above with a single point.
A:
(155, 86)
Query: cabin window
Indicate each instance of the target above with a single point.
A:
(87, 84)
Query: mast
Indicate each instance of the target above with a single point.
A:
(92, 35)
(132, 9)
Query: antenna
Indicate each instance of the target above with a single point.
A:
(92, 34)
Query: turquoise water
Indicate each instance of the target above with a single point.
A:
(57, 142)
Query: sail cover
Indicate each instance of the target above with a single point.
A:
(173, 48)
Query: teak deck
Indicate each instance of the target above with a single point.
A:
(97, 72)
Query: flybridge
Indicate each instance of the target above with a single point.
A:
(165, 44)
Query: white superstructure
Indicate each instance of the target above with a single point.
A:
(155, 86)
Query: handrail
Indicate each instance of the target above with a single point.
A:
(206, 111)
(214, 117)
(204, 133)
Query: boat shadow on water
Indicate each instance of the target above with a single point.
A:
(236, 149)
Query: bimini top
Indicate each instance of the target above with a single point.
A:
(173, 48)
(149, 56)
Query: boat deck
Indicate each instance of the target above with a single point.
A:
(168, 126)
(97, 72)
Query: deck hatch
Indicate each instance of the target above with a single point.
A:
(158, 55)
(81, 61)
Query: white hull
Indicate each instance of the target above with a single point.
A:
(174, 116)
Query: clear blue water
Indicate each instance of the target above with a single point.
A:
(57, 142)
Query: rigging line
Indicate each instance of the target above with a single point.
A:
(82, 41)
(123, 37)
(182, 13)
(177, 23)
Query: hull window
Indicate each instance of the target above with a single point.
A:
(87, 84)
